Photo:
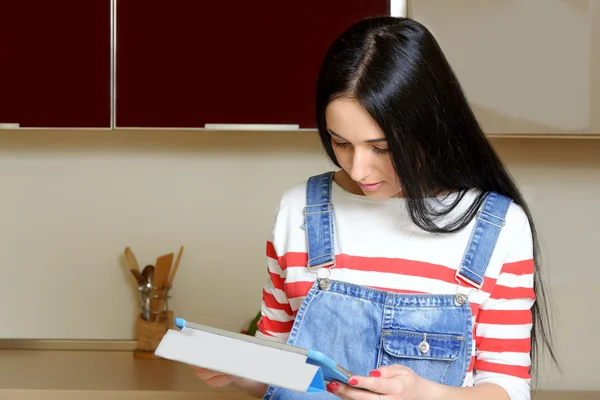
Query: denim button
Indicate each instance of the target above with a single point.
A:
(324, 284)
(460, 299)
(424, 347)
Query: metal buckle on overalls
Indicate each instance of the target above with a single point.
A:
(461, 298)
(324, 282)
(502, 220)
(317, 267)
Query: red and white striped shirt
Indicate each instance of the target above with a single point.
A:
(377, 245)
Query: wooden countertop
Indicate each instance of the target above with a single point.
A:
(116, 375)
(100, 374)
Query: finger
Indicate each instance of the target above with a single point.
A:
(206, 374)
(219, 380)
(351, 393)
(199, 370)
(379, 384)
(390, 371)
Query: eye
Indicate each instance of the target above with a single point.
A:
(341, 145)
(380, 151)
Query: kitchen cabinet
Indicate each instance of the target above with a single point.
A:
(187, 63)
(528, 67)
(55, 63)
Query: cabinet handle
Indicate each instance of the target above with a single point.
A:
(113, 64)
(252, 127)
(9, 125)
(398, 8)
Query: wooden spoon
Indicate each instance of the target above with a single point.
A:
(161, 276)
(175, 266)
(133, 265)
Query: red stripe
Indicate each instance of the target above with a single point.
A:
(504, 317)
(271, 253)
(386, 265)
(524, 267)
(297, 289)
(278, 281)
(397, 266)
(405, 267)
(265, 324)
(503, 345)
(513, 370)
(471, 364)
(292, 259)
(261, 329)
(505, 292)
(271, 302)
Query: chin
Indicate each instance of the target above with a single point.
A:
(378, 195)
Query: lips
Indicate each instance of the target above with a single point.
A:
(370, 187)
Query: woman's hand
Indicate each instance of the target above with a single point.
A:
(394, 382)
(213, 378)
(218, 379)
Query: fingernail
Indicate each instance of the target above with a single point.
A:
(375, 374)
(352, 382)
(332, 387)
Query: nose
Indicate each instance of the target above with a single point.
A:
(361, 165)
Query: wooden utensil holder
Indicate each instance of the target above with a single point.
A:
(149, 334)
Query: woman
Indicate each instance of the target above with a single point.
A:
(415, 265)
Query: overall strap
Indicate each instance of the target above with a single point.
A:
(318, 222)
(489, 222)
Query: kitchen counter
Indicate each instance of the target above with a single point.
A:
(95, 375)
(116, 375)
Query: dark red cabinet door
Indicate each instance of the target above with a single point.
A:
(186, 63)
(55, 63)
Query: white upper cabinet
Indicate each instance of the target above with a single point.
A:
(527, 66)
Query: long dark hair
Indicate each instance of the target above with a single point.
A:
(396, 70)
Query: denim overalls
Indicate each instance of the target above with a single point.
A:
(363, 328)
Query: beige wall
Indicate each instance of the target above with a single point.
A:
(520, 72)
(72, 201)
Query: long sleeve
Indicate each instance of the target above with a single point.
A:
(504, 323)
(277, 317)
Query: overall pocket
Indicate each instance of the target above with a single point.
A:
(430, 355)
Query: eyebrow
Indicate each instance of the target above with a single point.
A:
(332, 133)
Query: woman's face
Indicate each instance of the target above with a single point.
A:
(361, 148)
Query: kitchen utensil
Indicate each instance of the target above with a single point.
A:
(148, 274)
(167, 286)
(175, 266)
(138, 278)
(134, 267)
(146, 291)
(131, 260)
(161, 276)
